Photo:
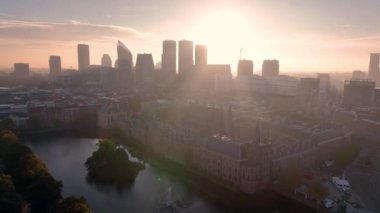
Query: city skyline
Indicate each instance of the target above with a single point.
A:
(264, 29)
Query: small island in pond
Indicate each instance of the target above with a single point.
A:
(110, 164)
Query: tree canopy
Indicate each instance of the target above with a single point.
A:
(72, 205)
(29, 177)
(110, 163)
(9, 200)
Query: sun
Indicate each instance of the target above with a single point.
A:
(224, 32)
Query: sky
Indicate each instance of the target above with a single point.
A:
(304, 35)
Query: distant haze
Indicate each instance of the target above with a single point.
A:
(303, 35)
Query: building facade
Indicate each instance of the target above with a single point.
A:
(55, 65)
(185, 57)
(83, 57)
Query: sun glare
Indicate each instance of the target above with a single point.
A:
(223, 32)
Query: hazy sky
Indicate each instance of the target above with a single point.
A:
(305, 35)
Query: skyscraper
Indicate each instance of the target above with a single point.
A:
(21, 70)
(168, 60)
(270, 68)
(185, 57)
(125, 65)
(144, 68)
(200, 57)
(106, 60)
(55, 65)
(83, 57)
(374, 70)
(245, 68)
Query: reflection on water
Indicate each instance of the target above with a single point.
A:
(65, 158)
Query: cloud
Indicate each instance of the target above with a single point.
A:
(70, 31)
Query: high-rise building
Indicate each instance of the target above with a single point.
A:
(200, 57)
(21, 70)
(374, 70)
(185, 57)
(324, 85)
(106, 60)
(144, 68)
(270, 68)
(357, 75)
(358, 92)
(245, 68)
(309, 86)
(83, 57)
(55, 65)
(169, 59)
(125, 65)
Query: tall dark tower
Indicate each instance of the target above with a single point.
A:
(185, 57)
(200, 57)
(169, 59)
(374, 70)
(55, 65)
(271, 68)
(144, 68)
(245, 68)
(83, 57)
(124, 66)
(21, 70)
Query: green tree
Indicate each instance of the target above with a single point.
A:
(110, 163)
(72, 205)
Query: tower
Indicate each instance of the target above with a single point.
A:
(144, 68)
(106, 60)
(83, 57)
(271, 68)
(200, 57)
(124, 66)
(374, 70)
(168, 58)
(185, 57)
(245, 68)
(55, 65)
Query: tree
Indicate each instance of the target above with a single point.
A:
(43, 193)
(9, 200)
(35, 183)
(29, 168)
(13, 153)
(317, 190)
(7, 136)
(7, 124)
(110, 163)
(72, 205)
